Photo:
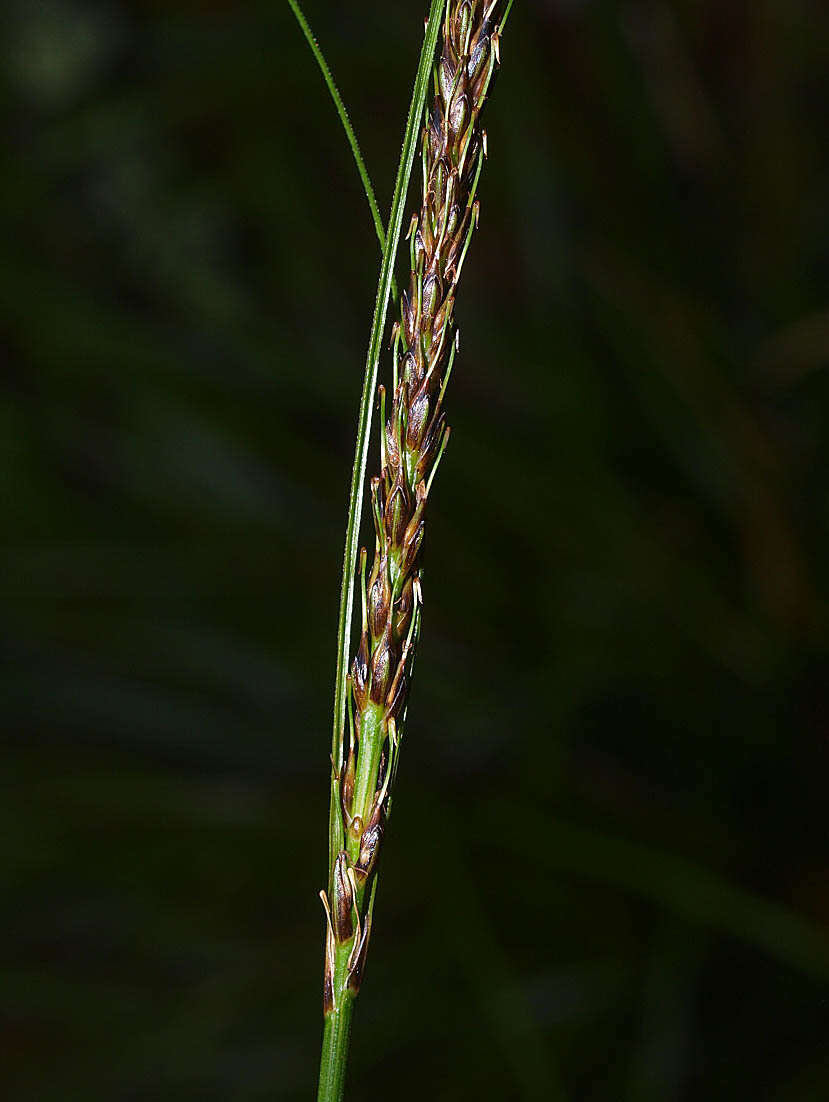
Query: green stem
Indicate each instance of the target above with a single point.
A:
(335, 1039)
(372, 737)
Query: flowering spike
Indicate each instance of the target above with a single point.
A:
(414, 436)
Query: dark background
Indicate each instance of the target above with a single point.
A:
(607, 873)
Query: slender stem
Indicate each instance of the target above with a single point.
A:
(335, 1040)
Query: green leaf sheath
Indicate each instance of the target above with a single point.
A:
(372, 700)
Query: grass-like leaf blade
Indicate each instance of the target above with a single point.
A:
(346, 125)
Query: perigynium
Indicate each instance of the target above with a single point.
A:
(413, 436)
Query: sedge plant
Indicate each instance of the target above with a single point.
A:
(371, 693)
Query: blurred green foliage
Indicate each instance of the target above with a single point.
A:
(607, 875)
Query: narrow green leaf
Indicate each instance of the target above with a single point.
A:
(346, 124)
